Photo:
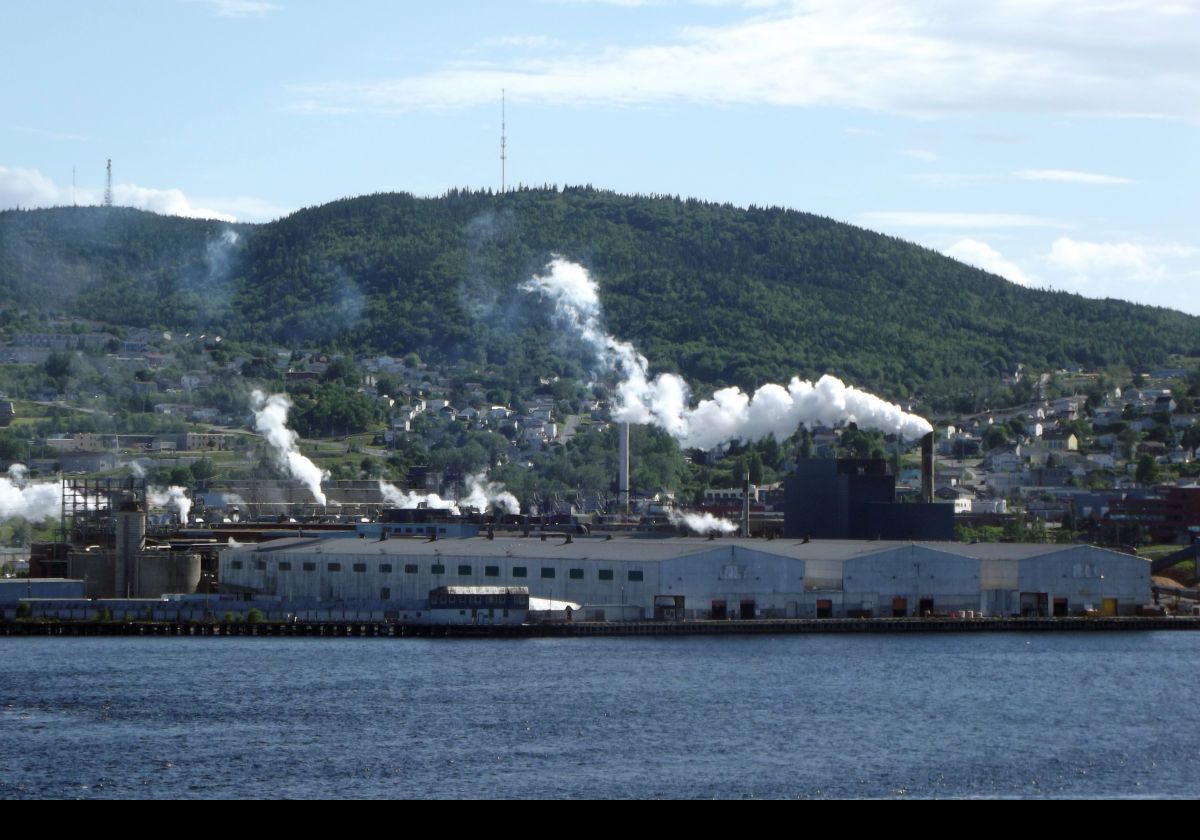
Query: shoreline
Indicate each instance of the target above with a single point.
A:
(388, 629)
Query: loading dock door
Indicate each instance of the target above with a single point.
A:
(1110, 607)
(899, 607)
(718, 611)
(747, 609)
(824, 608)
(1035, 604)
(1060, 607)
(926, 606)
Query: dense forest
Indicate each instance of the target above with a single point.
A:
(723, 294)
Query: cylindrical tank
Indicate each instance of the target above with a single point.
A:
(167, 573)
(131, 537)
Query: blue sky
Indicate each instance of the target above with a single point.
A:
(1054, 143)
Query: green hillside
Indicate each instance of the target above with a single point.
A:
(723, 294)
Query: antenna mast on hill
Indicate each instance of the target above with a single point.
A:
(503, 144)
(108, 186)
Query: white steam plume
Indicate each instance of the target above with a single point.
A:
(729, 414)
(173, 497)
(270, 419)
(398, 498)
(137, 470)
(34, 502)
(701, 523)
(481, 493)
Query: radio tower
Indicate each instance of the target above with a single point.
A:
(108, 186)
(503, 144)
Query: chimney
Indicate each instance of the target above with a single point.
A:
(746, 504)
(927, 468)
(623, 468)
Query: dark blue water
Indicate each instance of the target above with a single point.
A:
(977, 715)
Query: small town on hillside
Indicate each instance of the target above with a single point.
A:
(1103, 457)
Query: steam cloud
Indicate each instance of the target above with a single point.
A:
(481, 494)
(173, 497)
(398, 498)
(34, 502)
(270, 420)
(729, 414)
(701, 523)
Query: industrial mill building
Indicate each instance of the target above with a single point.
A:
(622, 577)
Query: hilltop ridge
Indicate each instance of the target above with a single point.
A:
(725, 295)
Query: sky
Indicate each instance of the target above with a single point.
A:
(1048, 141)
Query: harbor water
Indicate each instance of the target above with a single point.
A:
(1087, 715)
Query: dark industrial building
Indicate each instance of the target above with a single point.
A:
(855, 499)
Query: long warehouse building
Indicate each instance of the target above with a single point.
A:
(626, 576)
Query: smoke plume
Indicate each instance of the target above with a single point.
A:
(481, 494)
(21, 499)
(270, 420)
(701, 523)
(730, 414)
(397, 498)
(173, 497)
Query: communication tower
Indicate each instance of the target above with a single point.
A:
(108, 200)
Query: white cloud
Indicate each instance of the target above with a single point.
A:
(982, 255)
(1071, 176)
(1130, 58)
(169, 202)
(921, 155)
(1163, 274)
(53, 135)
(529, 42)
(1084, 257)
(246, 208)
(239, 8)
(29, 188)
(918, 218)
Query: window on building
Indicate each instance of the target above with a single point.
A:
(605, 574)
(410, 568)
(519, 571)
(261, 565)
(360, 567)
(464, 570)
(547, 571)
(635, 576)
(310, 567)
(334, 567)
(285, 566)
(385, 568)
(491, 571)
(437, 569)
(575, 574)
(235, 564)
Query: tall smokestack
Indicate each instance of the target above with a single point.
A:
(746, 504)
(623, 468)
(927, 468)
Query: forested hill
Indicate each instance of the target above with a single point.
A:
(726, 295)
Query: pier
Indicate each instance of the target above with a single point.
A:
(381, 629)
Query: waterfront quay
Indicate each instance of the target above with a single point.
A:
(331, 629)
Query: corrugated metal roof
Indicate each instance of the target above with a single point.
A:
(636, 548)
